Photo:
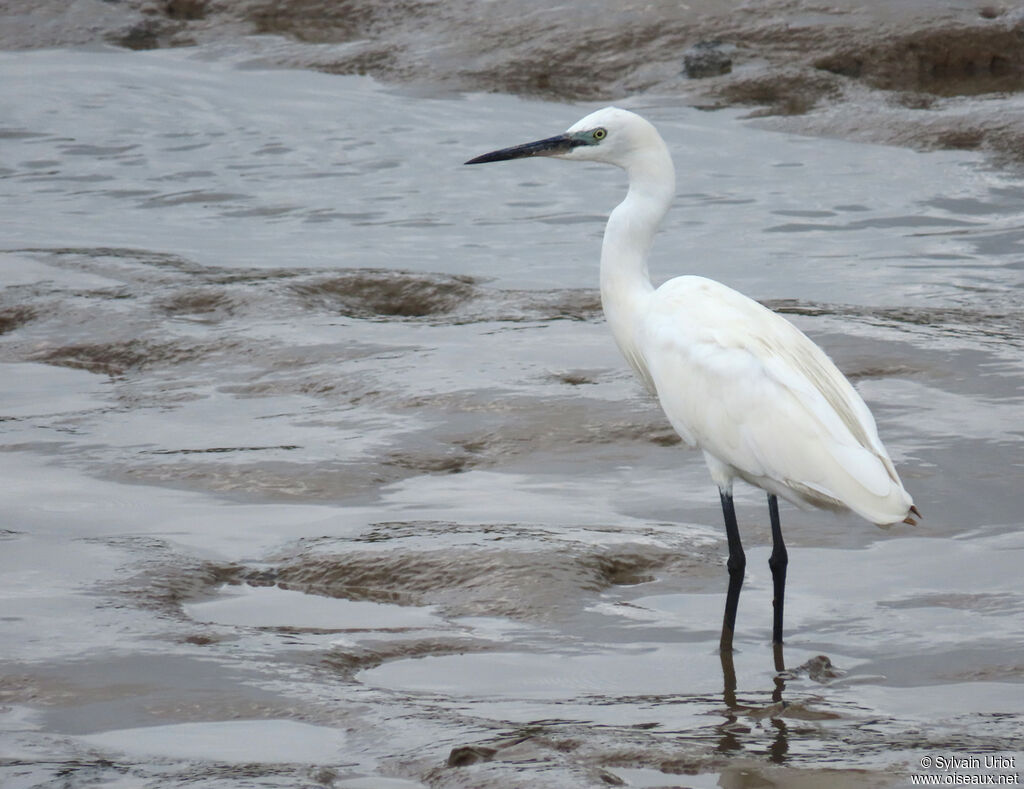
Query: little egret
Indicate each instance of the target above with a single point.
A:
(736, 380)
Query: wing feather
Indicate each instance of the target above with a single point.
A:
(747, 386)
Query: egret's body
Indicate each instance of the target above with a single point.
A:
(736, 380)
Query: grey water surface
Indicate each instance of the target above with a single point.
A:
(320, 466)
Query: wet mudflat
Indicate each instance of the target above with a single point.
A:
(321, 468)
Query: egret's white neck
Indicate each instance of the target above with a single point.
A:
(625, 282)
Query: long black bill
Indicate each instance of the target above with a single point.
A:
(549, 147)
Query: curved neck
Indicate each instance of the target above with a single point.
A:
(625, 282)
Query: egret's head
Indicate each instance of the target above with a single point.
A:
(609, 135)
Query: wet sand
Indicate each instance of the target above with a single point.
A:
(321, 468)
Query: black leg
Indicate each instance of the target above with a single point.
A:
(777, 562)
(737, 564)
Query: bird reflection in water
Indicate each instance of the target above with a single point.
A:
(730, 730)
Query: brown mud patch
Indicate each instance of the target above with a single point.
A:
(119, 357)
(209, 304)
(13, 317)
(349, 661)
(951, 61)
(366, 294)
(166, 579)
(521, 583)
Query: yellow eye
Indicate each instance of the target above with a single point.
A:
(600, 134)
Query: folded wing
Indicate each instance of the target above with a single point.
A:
(746, 386)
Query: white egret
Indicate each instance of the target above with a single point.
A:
(736, 380)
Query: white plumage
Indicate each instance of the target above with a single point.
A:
(736, 380)
(763, 402)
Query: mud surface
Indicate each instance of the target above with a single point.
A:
(930, 74)
(321, 468)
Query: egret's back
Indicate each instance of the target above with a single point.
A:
(765, 403)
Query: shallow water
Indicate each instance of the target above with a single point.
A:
(321, 467)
